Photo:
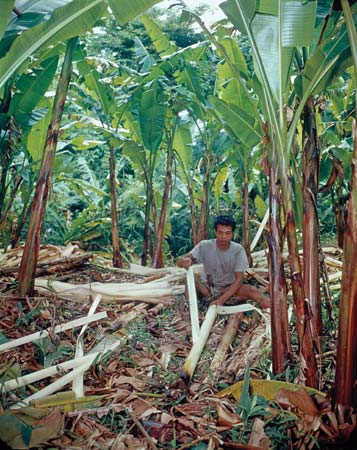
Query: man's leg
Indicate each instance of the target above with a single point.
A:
(248, 292)
(201, 288)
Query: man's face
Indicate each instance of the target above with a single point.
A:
(224, 235)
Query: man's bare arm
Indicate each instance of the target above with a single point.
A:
(186, 261)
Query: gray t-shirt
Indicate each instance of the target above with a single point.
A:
(220, 264)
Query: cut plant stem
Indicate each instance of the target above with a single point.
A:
(192, 296)
(47, 372)
(58, 384)
(77, 384)
(58, 329)
(230, 333)
(198, 345)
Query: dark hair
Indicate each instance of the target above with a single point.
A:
(227, 221)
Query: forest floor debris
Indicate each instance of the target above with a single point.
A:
(131, 397)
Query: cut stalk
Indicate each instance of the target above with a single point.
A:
(198, 346)
(192, 296)
(230, 333)
(58, 329)
(58, 384)
(47, 372)
(77, 385)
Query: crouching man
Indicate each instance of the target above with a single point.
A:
(224, 263)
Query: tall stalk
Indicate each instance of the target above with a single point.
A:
(33, 239)
(245, 212)
(311, 265)
(158, 258)
(346, 368)
(117, 261)
(280, 333)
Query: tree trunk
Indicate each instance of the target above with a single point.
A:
(280, 334)
(117, 261)
(346, 362)
(246, 226)
(158, 258)
(340, 215)
(32, 244)
(346, 366)
(202, 226)
(194, 227)
(303, 316)
(311, 265)
(5, 151)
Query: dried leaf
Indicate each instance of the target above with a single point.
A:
(258, 437)
(225, 417)
(266, 388)
(132, 381)
(298, 399)
(29, 427)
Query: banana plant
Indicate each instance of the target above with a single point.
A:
(52, 24)
(198, 133)
(277, 31)
(345, 386)
(32, 245)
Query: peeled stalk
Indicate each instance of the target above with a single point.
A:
(198, 346)
(228, 337)
(47, 372)
(58, 384)
(77, 385)
(58, 329)
(192, 295)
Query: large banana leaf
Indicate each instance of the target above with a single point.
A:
(152, 113)
(183, 144)
(227, 86)
(31, 88)
(275, 28)
(125, 10)
(327, 62)
(161, 42)
(6, 8)
(93, 83)
(65, 22)
(36, 138)
(243, 125)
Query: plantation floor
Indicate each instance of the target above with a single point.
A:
(135, 397)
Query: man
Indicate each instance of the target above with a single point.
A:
(224, 263)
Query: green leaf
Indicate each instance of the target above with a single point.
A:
(183, 144)
(276, 60)
(240, 21)
(125, 11)
(161, 42)
(36, 138)
(66, 22)
(92, 80)
(245, 399)
(136, 153)
(241, 123)
(260, 206)
(32, 88)
(297, 23)
(152, 112)
(228, 86)
(6, 9)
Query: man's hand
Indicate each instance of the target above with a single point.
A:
(218, 302)
(185, 262)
